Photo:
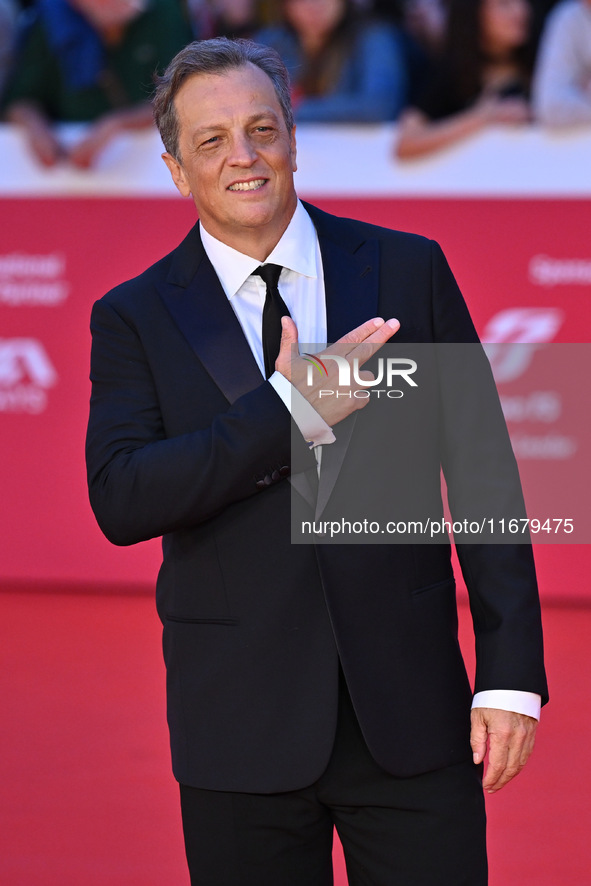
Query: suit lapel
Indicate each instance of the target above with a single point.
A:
(197, 303)
(351, 281)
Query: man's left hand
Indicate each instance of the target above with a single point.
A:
(510, 739)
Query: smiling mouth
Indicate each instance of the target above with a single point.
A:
(248, 186)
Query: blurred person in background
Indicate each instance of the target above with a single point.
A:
(8, 31)
(344, 66)
(421, 25)
(540, 12)
(425, 20)
(562, 80)
(90, 61)
(223, 18)
(482, 78)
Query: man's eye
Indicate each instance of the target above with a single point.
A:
(212, 140)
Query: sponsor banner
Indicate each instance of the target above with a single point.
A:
(522, 265)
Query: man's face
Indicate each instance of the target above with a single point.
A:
(236, 157)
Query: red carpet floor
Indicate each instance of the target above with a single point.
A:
(86, 795)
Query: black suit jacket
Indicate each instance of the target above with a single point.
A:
(186, 440)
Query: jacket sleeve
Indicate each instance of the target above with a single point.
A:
(482, 484)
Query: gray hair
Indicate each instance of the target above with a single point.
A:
(215, 56)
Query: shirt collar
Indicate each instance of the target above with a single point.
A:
(296, 250)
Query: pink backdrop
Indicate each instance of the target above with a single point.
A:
(523, 264)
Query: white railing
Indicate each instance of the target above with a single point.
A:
(334, 160)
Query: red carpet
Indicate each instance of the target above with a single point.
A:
(87, 798)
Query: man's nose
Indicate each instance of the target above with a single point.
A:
(242, 151)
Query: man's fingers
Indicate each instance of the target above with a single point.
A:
(365, 350)
(365, 340)
(503, 765)
(507, 757)
(511, 740)
(357, 335)
(478, 737)
(359, 344)
(362, 342)
(289, 338)
(497, 766)
(289, 332)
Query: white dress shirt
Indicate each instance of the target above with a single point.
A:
(302, 288)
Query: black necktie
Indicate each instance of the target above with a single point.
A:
(274, 309)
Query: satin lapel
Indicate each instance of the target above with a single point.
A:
(351, 281)
(197, 303)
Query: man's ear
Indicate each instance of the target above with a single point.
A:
(178, 174)
(294, 152)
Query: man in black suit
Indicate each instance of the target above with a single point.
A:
(309, 685)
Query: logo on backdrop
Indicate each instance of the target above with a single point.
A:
(518, 326)
(36, 280)
(26, 374)
(536, 416)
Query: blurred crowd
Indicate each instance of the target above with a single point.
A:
(442, 68)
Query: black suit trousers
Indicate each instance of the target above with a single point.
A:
(426, 830)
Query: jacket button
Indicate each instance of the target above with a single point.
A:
(267, 481)
(285, 470)
(275, 476)
(260, 484)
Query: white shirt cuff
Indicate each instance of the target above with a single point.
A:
(312, 426)
(528, 703)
